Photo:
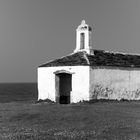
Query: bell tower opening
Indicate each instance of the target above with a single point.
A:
(82, 43)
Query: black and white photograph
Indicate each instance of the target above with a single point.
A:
(69, 70)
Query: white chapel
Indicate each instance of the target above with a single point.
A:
(88, 74)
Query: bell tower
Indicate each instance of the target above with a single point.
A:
(83, 38)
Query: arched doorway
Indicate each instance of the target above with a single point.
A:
(63, 87)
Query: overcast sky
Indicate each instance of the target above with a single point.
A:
(33, 32)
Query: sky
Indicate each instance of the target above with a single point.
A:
(33, 32)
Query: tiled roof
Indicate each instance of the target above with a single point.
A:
(69, 60)
(100, 58)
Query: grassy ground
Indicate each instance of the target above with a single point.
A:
(97, 121)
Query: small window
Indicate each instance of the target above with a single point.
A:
(82, 43)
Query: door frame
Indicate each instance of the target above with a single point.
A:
(57, 84)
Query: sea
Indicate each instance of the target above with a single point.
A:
(12, 92)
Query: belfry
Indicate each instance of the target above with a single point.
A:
(83, 38)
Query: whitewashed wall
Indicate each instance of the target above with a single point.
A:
(113, 83)
(80, 82)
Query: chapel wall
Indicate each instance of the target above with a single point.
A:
(114, 83)
(80, 82)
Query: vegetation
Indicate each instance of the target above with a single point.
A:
(23, 118)
(43, 121)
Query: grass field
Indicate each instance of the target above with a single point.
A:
(43, 121)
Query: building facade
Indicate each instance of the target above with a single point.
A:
(88, 74)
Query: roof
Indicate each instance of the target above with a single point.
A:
(69, 60)
(100, 58)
